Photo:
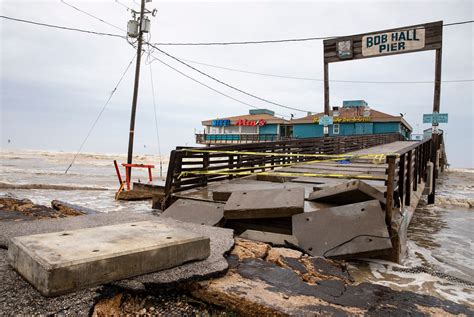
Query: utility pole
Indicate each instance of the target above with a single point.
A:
(135, 89)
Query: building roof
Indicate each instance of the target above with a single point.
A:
(344, 112)
(268, 118)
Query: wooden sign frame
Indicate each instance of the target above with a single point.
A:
(433, 40)
(352, 50)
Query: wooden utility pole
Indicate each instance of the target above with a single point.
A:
(435, 132)
(135, 89)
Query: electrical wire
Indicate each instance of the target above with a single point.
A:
(61, 27)
(225, 84)
(100, 114)
(93, 16)
(321, 79)
(239, 70)
(156, 119)
(123, 5)
(305, 39)
(209, 87)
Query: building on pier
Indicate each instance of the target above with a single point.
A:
(355, 117)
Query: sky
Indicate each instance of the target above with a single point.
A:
(54, 83)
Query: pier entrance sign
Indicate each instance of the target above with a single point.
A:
(391, 42)
(407, 39)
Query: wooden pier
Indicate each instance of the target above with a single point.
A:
(340, 176)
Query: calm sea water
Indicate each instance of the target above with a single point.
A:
(441, 236)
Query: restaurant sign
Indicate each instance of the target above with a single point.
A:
(344, 120)
(393, 42)
(245, 122)
(240, 122)
(220, 123)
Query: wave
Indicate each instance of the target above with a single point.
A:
(455, 201)
(48, 186)
(460, 170)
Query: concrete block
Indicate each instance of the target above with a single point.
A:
(351, 192)
(61, 262)
(344, 231)
(271, 203)
(269, 237)
(200, 212)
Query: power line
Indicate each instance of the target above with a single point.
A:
(92, 16)
(304, 39)
(225, 84)
(61, 27)
(209, 87)
(156, 120)
(320, 79)
(123, 5)
(100, 114)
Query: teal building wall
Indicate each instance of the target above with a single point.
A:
(268, 129)
(307, 130)
(312, 130)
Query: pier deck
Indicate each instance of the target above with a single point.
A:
(390, 174)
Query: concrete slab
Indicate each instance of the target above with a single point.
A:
(18, 297)
(269, 237)
(360, 229)
(223, 192)
(61, 262)
(347, 193)
(272, 203)
(201, 212)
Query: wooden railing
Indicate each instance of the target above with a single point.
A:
(404, 173)
(183, 160)
(202, 138)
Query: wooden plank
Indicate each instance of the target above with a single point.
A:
(272, 203)
(360, 229)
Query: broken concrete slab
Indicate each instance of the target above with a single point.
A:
(269, 237)
(62, 262)
(223, 192)
(200, 212)
(222, 240)
(347, 193)
(272, 203)
(360, 230)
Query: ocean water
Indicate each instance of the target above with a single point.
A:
(441, 236)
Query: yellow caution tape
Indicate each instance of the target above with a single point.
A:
(341, 156)
(284, 174)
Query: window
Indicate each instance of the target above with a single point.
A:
(249, 130)
(215, 130)
(231, 129)
(335, 128)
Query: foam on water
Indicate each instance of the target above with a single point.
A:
(440, 237)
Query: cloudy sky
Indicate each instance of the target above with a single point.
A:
(54, 82)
